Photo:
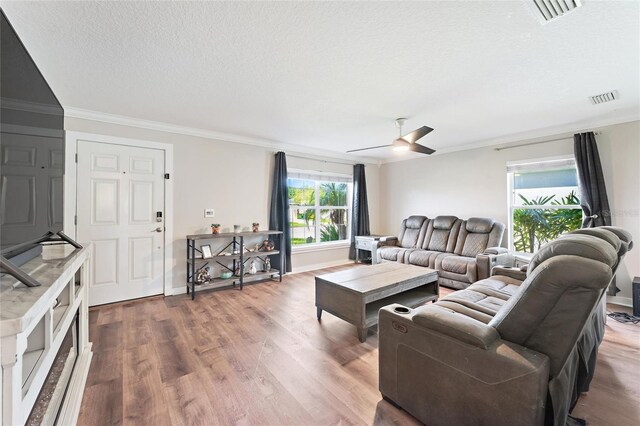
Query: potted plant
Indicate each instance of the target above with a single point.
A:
(215, 228)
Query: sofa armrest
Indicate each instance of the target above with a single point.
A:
(434, 359)
(511, 272)
(455, 325)
(495, 250)
(385, 241)
(492, 256)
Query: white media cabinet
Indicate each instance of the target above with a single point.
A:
(34, 324)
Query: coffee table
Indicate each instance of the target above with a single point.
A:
(356, 295)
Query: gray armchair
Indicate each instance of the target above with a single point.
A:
(509, 359)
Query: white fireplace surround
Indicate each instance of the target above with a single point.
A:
(33, 324)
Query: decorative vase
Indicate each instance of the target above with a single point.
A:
(237, 228)
(255, 227)
(267, 265)
(252, 267)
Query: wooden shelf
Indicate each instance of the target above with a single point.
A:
(411, 299)
(219, 282)
(246, 255)
(239, 260)
(230, 235)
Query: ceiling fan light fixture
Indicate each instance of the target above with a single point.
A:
(400, 145)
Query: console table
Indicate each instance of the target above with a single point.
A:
(44, 330)
(238, 257)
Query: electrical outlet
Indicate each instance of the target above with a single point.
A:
(209, 212)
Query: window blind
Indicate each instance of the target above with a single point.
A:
(537, 166)
(318, 176)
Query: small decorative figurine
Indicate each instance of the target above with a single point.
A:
(267, 265)
(202, 276)
(255, 226)
(215, 228)
(267, 245)
(252, 267)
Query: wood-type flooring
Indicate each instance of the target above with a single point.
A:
(259, 356)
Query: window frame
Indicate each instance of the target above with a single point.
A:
(319, 178)
(511, 196)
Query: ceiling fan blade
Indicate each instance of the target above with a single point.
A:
(416, 147)
(417, 134)
(371, 147)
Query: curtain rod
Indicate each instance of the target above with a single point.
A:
(501, 148)
(324, 161)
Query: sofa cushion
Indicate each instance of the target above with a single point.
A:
(584, 246)
(474, 244)
(479, 225)
(480, 302)
(501, 287)
(459, 268)
(410, 231)
(442, 233)
(415, 222)
(427, 258)
(444, 222)
(391, 253)
(465, 310)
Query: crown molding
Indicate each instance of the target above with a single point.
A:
(530, 136)
(564, 131)
(211, 134)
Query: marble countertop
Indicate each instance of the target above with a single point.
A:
(21, 305)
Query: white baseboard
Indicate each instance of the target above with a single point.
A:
(176, 290)
(619, 300)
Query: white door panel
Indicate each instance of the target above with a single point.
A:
(120, 190)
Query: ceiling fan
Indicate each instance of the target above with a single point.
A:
(406, 142)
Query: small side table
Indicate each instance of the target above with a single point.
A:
(365, 242)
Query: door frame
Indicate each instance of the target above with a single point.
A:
(71, 190)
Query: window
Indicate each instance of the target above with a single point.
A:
(543, 202)
(318, 208)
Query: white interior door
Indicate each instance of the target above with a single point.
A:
(120, 192)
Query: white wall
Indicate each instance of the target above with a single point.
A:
(234, 179)
(473, 183)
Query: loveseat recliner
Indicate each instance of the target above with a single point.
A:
(462, 251)
(505, 351)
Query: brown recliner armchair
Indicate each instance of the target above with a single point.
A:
(503, 366)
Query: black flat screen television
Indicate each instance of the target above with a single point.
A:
(31, 149)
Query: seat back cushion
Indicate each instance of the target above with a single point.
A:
(476, 234)
(410, 231)
(582, 245)
(442, 233)
(554, 302)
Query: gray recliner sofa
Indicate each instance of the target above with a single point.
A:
(505, 351)
(462, 251)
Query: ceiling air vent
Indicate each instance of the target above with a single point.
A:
(552, 9)
(604, 97)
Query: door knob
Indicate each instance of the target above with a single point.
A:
(158, 229)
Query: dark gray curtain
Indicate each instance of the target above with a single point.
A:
(279, 211)
(360, 208)
(593, 192)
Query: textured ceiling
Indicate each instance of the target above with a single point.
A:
(333, 75)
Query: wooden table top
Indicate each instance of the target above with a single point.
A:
(373, 278)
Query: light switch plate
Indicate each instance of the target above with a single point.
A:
(209, 212)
